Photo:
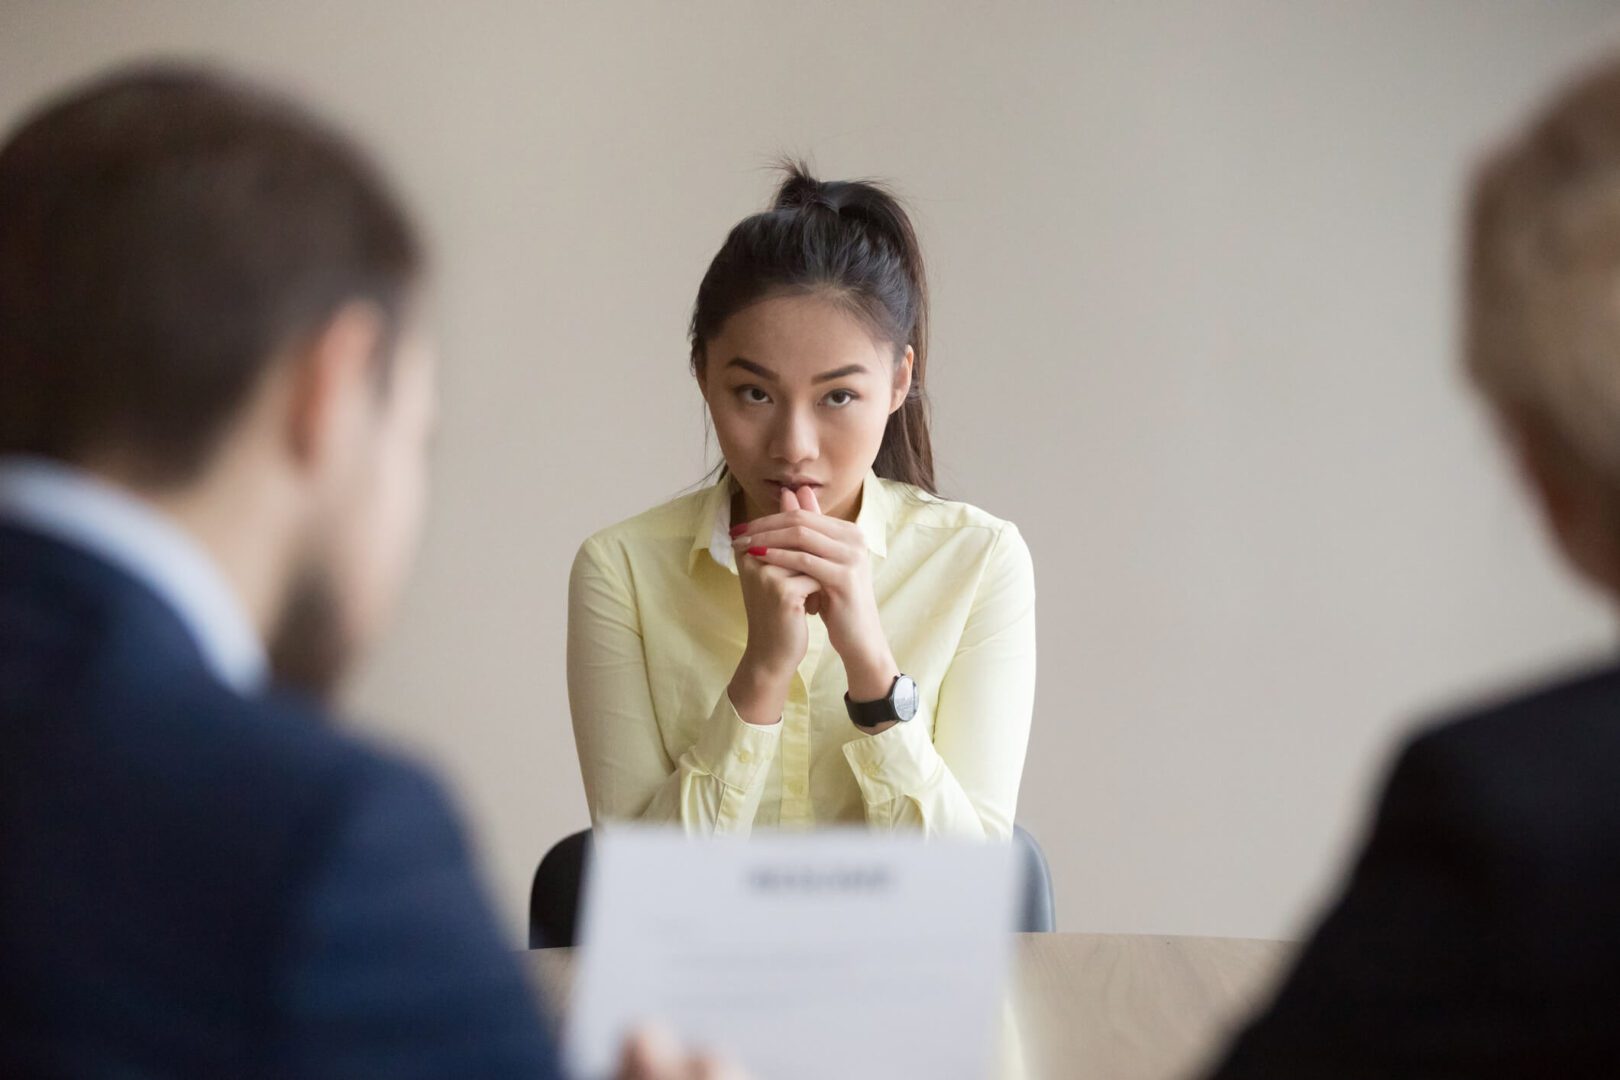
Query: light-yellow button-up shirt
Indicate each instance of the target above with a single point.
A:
(656, 627)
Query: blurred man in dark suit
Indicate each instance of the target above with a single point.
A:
(1479, 932)
(216, 396)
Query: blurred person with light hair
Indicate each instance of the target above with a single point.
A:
(1479, 932)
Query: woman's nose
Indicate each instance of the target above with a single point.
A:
(794, 439)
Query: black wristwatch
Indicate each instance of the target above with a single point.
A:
(901, 704)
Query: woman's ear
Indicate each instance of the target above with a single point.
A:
(902, 380)
(700, 372)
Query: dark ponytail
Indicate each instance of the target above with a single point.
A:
(851, 240)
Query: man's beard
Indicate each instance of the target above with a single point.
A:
(309, 650)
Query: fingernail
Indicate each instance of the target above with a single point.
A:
(756, 552)
(738, 530)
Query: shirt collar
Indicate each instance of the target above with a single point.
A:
(73, 507)
(711, 525)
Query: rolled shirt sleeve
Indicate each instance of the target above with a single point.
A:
(963, 781)
(714, 787)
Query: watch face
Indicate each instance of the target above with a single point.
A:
(904, 697)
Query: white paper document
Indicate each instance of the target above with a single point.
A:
(800, 955)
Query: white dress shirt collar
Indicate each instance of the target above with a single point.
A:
(75, 508)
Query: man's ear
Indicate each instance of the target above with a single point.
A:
(1538, 470)
(1579, 507)
(902, 380)
(333, 384)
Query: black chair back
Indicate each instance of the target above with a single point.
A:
(554, 896)
(1038, 900)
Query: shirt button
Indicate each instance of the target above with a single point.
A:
(872, 770)
(744, 756)
(796, 789)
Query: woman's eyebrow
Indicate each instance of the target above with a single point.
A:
(758, 369)
(766, 373)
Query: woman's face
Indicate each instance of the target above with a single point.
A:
(800, 394)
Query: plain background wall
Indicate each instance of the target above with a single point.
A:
(1193, 283)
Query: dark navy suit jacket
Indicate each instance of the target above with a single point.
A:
(194, 883)
(1479, 933)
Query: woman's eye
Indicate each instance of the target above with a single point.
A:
(753, 395)
(839, 398)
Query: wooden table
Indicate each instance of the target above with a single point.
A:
(1101, 1006)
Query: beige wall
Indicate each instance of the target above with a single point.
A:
(1192, 268)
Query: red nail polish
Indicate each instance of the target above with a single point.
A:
(756, 552)
(738, 530)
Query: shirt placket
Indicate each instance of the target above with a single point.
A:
(794, 751)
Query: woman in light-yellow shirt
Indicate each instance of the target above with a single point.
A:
(818, 638)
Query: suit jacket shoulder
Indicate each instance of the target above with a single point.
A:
(193, 882)
(1475, 935)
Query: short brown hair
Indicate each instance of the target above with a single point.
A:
(165, 234)
(1542, 310)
